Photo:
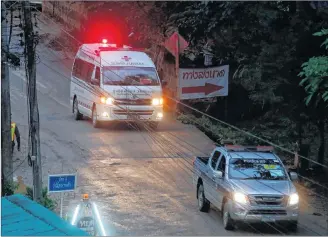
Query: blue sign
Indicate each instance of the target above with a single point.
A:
(61, 183)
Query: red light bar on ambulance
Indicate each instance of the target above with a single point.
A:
(111, 48)
(120, 49)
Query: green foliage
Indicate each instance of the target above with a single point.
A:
(315, 73)
(280, 135)
(46, 201)
(9, 188)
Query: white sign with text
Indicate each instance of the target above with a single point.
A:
(196, 83)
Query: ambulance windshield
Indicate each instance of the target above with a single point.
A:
(142, 76)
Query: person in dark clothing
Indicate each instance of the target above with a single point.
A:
(15, 134)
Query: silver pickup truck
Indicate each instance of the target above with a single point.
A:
(247, 184)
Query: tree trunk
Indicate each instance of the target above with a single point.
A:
(321, 152)
(6, 143)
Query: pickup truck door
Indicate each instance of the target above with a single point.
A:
(210, 185)
(221, 183)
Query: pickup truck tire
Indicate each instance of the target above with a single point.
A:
(228, 223)
(203, 203)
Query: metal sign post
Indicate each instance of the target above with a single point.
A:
(60, 183)
(176, 44)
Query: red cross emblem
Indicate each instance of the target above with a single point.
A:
(126, 58)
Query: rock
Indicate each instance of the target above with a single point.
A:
(317, 214)
(307, 184)
(21, 189)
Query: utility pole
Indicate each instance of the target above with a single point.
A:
(6, 143)
(177, 68)
(34, 126)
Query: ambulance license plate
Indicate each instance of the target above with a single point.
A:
(133, 116)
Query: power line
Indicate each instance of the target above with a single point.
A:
(154, 138)
(108, 78)
(220, 121)
(163, 143)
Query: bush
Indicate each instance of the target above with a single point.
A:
(218, 133)
(214, 131)
(9, 188)
(46, 201)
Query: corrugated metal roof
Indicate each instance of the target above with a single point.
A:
(21, 216)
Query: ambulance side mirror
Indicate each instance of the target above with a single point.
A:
(95, 82)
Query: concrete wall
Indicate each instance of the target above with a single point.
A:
(72, 14)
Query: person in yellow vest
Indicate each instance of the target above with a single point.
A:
(15, 134)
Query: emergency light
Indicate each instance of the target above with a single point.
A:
(249, 148)
(104, 41)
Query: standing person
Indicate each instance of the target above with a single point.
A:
(15, 134)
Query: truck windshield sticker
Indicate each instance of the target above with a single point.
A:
(267, 169)
(259, 161)
(276, 173)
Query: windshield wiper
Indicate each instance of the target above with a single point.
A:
(252, 178)
(277, 178)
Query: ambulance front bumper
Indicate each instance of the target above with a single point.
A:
(129, 113)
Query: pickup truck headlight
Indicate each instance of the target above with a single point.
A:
(240, 198)
(293, 199)
(108, 101)
(157, 101)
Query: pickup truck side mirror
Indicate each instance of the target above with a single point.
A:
(218, 175)
(293, 176)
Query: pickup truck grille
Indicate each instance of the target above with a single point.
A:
(267, 212)
(132, 102)
(262, 200)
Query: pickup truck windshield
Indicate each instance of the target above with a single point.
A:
(265, 169)
(142, 76)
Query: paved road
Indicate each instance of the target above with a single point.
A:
(140, 180)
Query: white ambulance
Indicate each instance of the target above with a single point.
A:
(115, 84)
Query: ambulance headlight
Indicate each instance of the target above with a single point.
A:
(157, 101)
(108, 101)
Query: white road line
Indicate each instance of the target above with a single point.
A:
(22, 76)
(17, 97)
(17, 93)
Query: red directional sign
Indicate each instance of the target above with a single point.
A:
(171, 44)
(207, 89)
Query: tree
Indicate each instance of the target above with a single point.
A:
(315, 82)
(315, 73)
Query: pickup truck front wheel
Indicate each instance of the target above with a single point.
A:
(203, 203)
(228, 223)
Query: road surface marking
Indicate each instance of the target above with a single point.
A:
(17, 97)
(20, 75)
(16, 93)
